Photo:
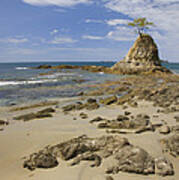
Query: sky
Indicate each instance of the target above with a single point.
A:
(83, 30)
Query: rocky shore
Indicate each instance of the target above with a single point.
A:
(125, 129)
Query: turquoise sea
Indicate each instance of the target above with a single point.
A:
(19, 83)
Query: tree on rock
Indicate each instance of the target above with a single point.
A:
(141, 24)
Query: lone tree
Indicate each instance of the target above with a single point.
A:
(141, 24)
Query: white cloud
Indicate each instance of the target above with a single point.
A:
(114, 22)
(61, 3)
(62, 40)
(14, 40)
(93, 21)
(92, 37)
(55, 31)
(121, 34)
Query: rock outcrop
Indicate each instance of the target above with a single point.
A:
(125, 156)
(142, 57)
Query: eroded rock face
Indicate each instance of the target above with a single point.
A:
(126, 157)
(142, 57)
(78, 149)
(134, 160)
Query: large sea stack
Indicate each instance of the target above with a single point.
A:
(143, 57)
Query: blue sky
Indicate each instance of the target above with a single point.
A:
(83, 30)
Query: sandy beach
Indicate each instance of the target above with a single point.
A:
(19, 139)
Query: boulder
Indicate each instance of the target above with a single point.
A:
(164, 130)
(163, 167)
(133, 160)
(42, 159)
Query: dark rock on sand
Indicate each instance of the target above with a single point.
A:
(109, 100)
(41, 160)
(122, 118)
(38, 115)
(83, 115)
(97, 119)
(91, 100)
(127, 113)
(171, 144)
(3, 122)
(92, 106)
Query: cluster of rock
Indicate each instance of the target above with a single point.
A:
(126, 124)
(128, 158)
(45, 113)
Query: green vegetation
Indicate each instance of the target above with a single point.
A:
(141, 24)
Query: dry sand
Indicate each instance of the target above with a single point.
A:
(19, 139)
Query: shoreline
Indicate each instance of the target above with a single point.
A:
(21, 138)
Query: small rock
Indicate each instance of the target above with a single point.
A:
(163, 167)
(91, 100)
(109, 100)
(164, 130)
(127, 113)
(124, 107)
(92, 106)
(83, 115)
(97, 119)
(122, 118)
(143, 116)
(41, 160)
(2, 122)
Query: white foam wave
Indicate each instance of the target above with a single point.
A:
(6, 83)
(21, 68)
(52, 76)
(101, 73)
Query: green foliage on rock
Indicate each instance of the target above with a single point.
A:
(141, 24)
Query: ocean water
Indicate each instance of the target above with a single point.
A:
(19, 83)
